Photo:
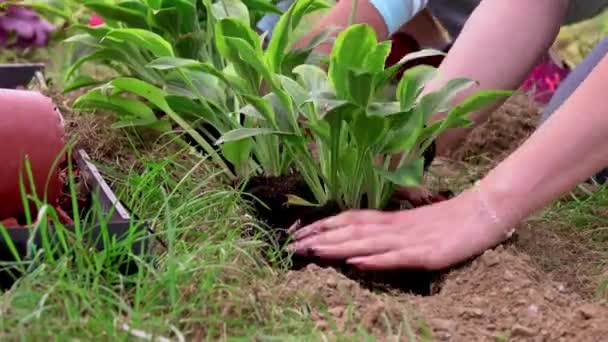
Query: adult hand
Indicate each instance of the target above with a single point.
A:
(432, 237)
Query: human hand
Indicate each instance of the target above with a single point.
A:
(432, 237)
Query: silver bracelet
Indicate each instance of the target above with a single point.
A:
(489, 210)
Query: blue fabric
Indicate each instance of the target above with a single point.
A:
(396, 13)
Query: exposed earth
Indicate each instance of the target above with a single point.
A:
(538, 289)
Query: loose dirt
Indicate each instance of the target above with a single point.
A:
(507, 129)
(501, 295)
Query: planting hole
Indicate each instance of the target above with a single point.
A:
(277, 216)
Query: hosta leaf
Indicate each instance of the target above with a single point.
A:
(159, 125)
(108, 11)
(478, 101)
(99, 55)
(295, 90)
(192, 109)
(81, 82)
(412, 84)
(383, 108)
(375, 61)
(299, 201)
(169, 63)
(404, 137)
(243, 133)
(281, 37)
(420, 54)
(233, 28)
(151, 93)
(237, 152)
(441, 101)
(231, 9)
(314, 79)
(407, 175)
(349, 52)
(98, 31)
(122, 106)
(263, 106)
(262, 6)
(154, 4)
(368, 130)
(249, 56)
(144, 39)
(360, 87)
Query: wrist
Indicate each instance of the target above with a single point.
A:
(500, 203)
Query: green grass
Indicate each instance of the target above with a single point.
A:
(208, 284)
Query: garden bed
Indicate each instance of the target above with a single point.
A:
(270, 207)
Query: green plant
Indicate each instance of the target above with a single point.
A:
(356, 135)
(154, 51)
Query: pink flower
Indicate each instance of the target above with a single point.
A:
(95, 20)
(544, 80)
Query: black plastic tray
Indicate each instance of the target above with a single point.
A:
(118, 227)
(13, 76)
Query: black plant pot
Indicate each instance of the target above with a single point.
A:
(13, 76)
(119, 225)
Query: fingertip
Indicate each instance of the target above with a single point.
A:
(295, 226)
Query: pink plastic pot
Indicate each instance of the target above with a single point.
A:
(32, 128)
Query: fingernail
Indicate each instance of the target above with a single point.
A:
(355, 261)
(294, 226)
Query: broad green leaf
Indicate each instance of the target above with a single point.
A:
(375, 61)
(407, 175)
(383, 108)
(403, 138)
(282, 33)
(349, 52)
(169, 63)
(84, 39)
(81, 82)
(233, 28)
(263, 106)
(192, 109)
(368, 130)
(231, 9)
(412, 84)
(154, 4)
(144, 39)
(99, 55)
(249, 56)
(98, 31)
(441, 101)
(420, 54)
(478, 101)
(108, 11)
(314, 79)
(123, 106)
(243, 133)
(262, 6)
(159, 125)
(360, 87)
(237, 152)
(295, 90)
(299, 201)
(151, 93)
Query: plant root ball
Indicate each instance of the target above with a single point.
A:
(30, 128)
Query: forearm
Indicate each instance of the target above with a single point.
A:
(566, 150)
(366, 13)
(499, 45)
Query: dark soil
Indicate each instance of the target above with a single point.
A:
(270, 206)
